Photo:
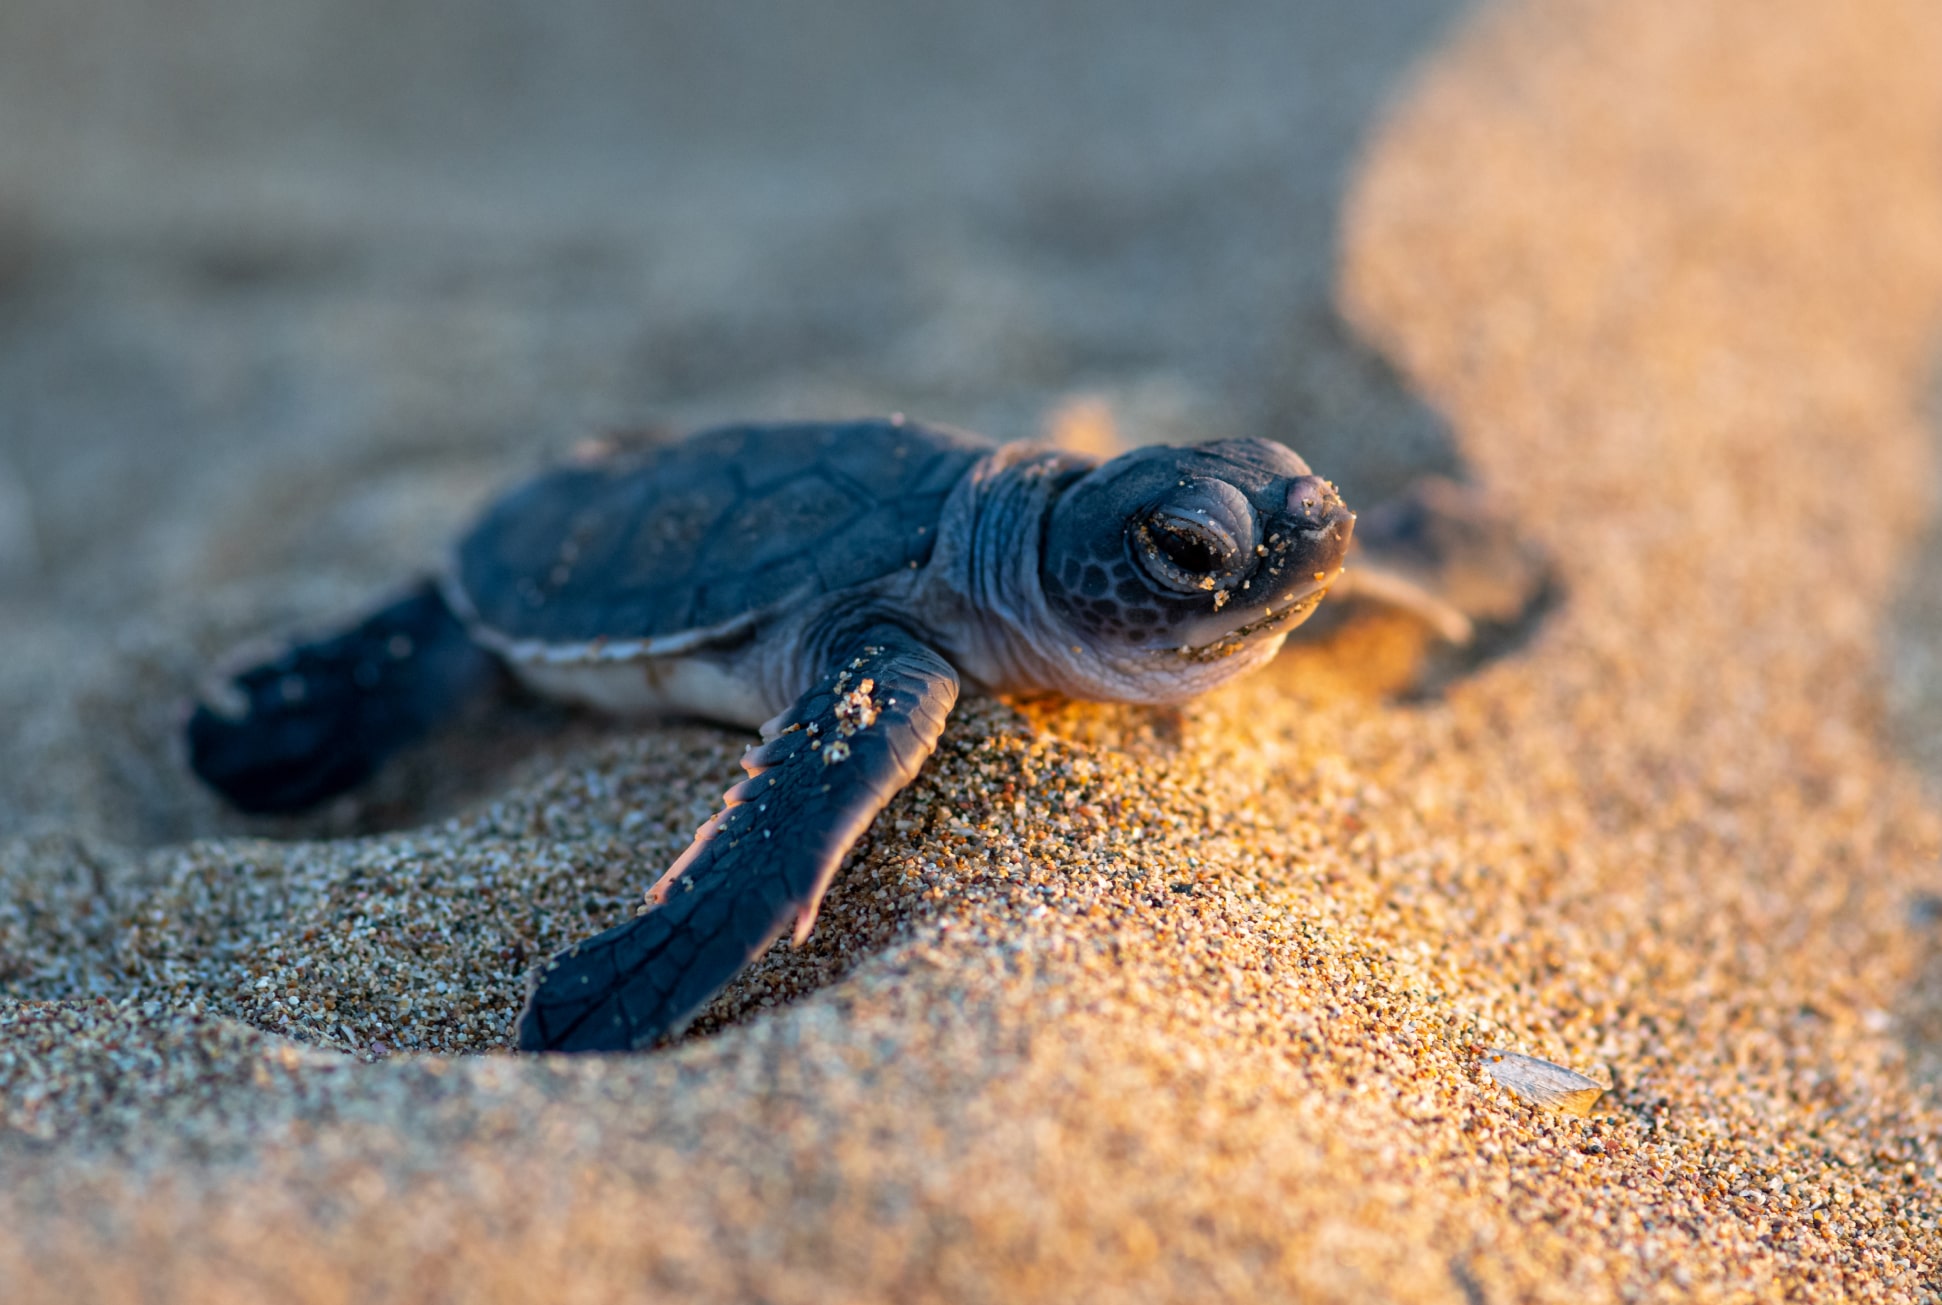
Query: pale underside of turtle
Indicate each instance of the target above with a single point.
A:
(832, 585)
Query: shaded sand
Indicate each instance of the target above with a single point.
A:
(1914, 652)
(1140, 1005)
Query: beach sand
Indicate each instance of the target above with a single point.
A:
(1113, 1003)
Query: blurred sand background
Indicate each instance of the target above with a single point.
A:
(1112, 1004)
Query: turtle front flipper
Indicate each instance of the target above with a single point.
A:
(762, 864)
(291, 731)
(1447, 555)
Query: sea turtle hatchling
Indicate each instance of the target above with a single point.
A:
(833, 585)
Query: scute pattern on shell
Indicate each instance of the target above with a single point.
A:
(657, 541)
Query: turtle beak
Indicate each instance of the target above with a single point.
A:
(1322, 522)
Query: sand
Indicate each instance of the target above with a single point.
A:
(1112, 1004)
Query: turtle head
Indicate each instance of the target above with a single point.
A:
(1169, 559)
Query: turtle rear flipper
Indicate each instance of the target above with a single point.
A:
(288, 733)
(761, 866)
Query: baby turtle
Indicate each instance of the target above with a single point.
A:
(833, 585)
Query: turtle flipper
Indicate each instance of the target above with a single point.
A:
(320, 718)
(762, 864)
(1444, 553)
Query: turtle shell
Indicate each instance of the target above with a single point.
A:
(669, 547)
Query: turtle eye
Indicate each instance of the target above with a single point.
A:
(1198, 546)
(1185, 548)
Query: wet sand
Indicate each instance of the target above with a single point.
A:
(1112, 1004)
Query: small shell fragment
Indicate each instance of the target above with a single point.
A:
(1544, 1085)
